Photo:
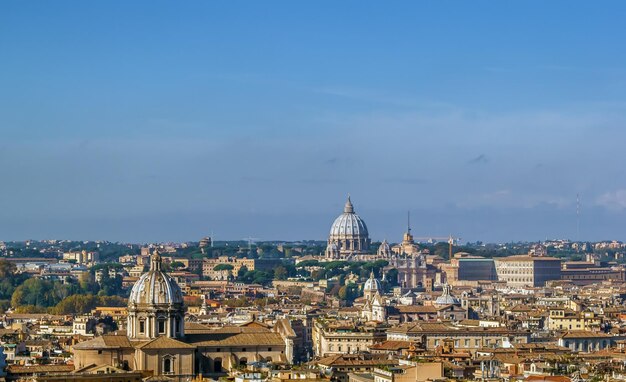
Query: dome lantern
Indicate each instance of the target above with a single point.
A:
(155, 261)
(348, 208)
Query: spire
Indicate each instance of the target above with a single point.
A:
(349, 208)
(408, 238)
(408, 222)
(155, 261)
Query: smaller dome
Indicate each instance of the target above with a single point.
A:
(372, 284)
(155, 287)
(446, 297)
(384, 250)
(332, 250)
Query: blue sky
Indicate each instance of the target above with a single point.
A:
(149, 120)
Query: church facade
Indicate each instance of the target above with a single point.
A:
(375, 306)
(349, 240)
(410, 261)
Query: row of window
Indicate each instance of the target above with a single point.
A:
(349, 340)
(467, 342)
(229, 350)
(516, 272)
(349, 349)
(160, 325)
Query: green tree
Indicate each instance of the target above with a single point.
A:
(7, 269)
(308, 263)
(280, 273)
(110, 286)
(392, 277)
(41, 293)
(242, 272)
(112, 301)
(176, 265)
(318, 274)
(29, 309)
(88, 284)
(348, 293)
(77, 303)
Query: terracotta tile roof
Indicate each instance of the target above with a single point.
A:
(105, 342)
(17, 369)
(547, 378)
(116, 340)
(469, 322)
(217, 338)
(416, 309)
(164, 343)
(391, 345)
(585, 334)
(194, 327)
(339, 360)
(521, 308)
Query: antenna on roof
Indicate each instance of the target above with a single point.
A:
(577, 217)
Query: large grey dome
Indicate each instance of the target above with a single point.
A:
(348, 235)
(348, 224)
(155, 287)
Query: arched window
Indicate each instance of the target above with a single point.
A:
(167, 366)
(243, 361)
(217, 365)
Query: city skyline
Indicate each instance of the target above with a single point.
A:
(158, 122)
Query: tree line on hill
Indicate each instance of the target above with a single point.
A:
(28, 294)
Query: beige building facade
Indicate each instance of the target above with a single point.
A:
(339, 338)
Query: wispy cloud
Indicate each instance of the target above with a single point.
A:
(481, 159)
(613, 200)
(405, 180)
(377, 97)
(363, 95)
